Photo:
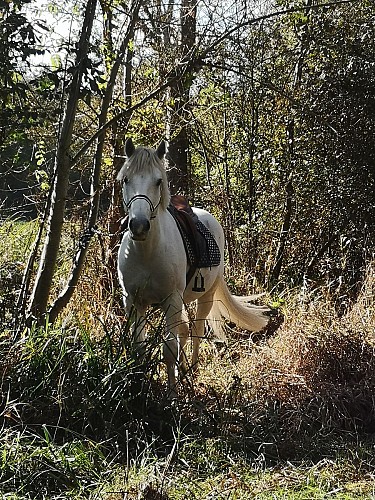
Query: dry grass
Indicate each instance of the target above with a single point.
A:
(315, 377)
(262, 414)
(316, 372)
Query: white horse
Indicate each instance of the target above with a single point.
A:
(152, 264)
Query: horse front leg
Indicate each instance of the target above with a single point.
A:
(136, 317)
(177, 332)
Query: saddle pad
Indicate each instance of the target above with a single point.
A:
(201, 247)
(210, 253)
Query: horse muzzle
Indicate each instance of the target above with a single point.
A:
(139, 228)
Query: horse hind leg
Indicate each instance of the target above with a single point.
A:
(203, 309)
(183, 336)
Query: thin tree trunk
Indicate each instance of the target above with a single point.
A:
(252, 251)
(90, 230)
(284, 233)
(178, 151)
(43, 282)
(290, 136)
(115, 212)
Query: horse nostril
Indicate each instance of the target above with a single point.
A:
(139, 226)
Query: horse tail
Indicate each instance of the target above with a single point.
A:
(236, 309)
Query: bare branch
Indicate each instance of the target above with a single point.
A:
(194, 61)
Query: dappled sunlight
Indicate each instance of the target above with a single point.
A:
(262, 114)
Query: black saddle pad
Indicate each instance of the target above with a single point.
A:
(201, 247)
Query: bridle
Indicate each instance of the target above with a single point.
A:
(146, 198)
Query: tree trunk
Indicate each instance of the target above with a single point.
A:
(43, 282)
(90, 230)
(178, 154)
(290, 136)
(284, 233)
(116, 212)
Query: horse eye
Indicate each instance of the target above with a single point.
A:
(159, 181)
(126, 180)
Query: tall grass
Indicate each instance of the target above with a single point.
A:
(34, 465)
(16, 239)
(286, 416)
(63, 389)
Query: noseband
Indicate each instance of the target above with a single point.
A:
(146, 198)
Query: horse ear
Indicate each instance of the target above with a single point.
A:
(129, 147)
(161, 150)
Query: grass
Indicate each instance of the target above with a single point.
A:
(33, 465)
(229, 476)
(290, 416)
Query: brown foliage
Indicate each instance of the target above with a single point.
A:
(316, 374)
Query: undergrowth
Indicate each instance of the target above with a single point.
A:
(290, 415)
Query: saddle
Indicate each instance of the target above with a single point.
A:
(200, 246)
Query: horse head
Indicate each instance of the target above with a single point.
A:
(144, 187)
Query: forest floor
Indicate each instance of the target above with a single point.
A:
(287, 414)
